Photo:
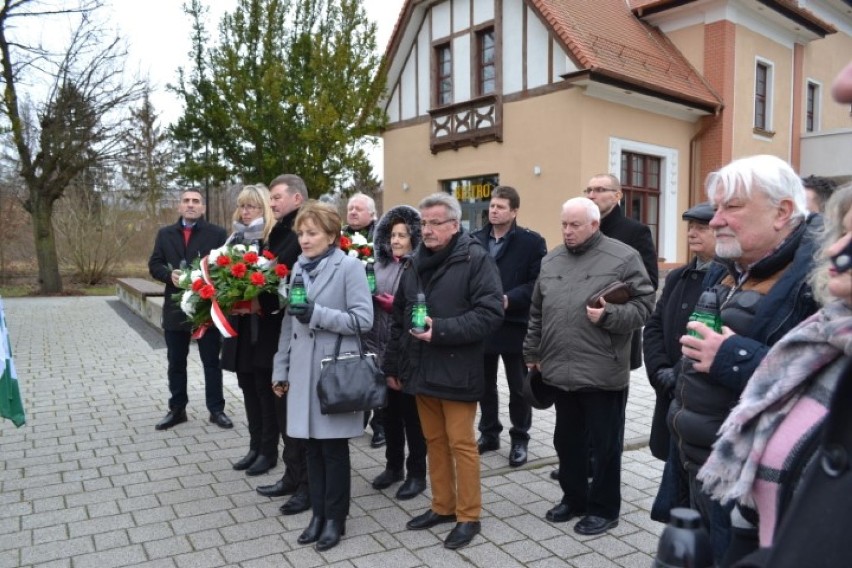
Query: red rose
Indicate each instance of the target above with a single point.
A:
(197, 284)
(250, 257)
(207, 291)
(239, 270)
(223, 260)
(281, 270)
(267, 254)
(345, 243)
(257, 279)
(365, 251)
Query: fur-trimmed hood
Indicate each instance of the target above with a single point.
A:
(381, 237)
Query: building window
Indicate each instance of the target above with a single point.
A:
(763, 97)
(443, 74)
(640, 187)
(486, 65)
(812, 108)
(474, 195)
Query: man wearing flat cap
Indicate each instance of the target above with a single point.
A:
(661, 347)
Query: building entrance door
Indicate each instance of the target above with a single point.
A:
(474, 195)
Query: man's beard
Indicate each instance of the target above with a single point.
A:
(731, 248)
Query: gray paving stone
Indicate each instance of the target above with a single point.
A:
(125, 556)
(48, 504)
(168, 547)
(111, 539)
(60, 516)
(150, 532)
(56, 549)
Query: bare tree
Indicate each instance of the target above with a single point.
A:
(77, 123)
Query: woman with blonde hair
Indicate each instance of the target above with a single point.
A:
(247, 354)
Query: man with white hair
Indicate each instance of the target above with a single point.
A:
(766, 248)
(582, 348)
(361, 215)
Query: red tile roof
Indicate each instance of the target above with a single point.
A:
(608, 41)
(788, 8)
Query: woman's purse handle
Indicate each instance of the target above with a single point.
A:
(357, 336)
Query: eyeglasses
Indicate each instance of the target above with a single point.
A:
(598, 190)
(249, 207)
(433, 224)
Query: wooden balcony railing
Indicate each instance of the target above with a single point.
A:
(469, 123)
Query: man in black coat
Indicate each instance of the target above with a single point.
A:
(287, 193)
(176, 245)
(662, 351)
(442, 364)
(518, 253)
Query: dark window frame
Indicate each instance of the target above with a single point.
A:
(642, 185)
(443, 74)
(761, 94)
(481, 66)
(812, 94)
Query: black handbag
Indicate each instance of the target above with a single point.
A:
(351, 382)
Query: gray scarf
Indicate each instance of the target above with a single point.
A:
(807, 357)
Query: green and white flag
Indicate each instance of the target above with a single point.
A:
(11, 405)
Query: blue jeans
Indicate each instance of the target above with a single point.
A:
(177, 348)
(716, 518)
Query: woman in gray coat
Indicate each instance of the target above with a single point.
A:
(336, 287)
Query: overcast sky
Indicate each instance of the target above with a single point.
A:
(158, 34)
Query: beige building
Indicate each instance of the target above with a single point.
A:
(543, 94)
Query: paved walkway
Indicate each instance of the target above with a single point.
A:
(88, 482)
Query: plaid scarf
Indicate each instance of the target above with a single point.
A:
(801, 360)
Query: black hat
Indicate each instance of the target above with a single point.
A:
(537, 393)
(702, 213)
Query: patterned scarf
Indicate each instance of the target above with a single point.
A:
(246, 234)
(799, 361)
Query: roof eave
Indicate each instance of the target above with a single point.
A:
(622, 82)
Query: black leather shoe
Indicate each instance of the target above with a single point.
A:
(300, 501)
(261, 465)
(487, 444)
(555, 474)
(246, 461)
(428, 520)
(278, 489)
(221, 420)
(173, 418)
(312, 532)
(412, 487)
(462, 534)
(331, 533)
(378, 440)
(592, 525)
(518, 455)
(387, 478)
(562, 513)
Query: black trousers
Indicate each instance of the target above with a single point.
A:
(259, 402)
(402, 424)
(330, 475)
(177, 349)
(520, 412)
(596, 418)
(293, 454)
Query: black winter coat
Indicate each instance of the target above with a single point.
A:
(703, 400)
(169, 251)
(661, 342)
(465, 302)
(633, 233)
(257, 339)
(519, 262)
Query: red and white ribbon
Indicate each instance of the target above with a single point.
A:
(220, 320)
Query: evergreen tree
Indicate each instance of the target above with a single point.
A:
(146, 162)
(291, 86)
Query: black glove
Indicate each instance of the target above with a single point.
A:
(302, 312)
(664, 380)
